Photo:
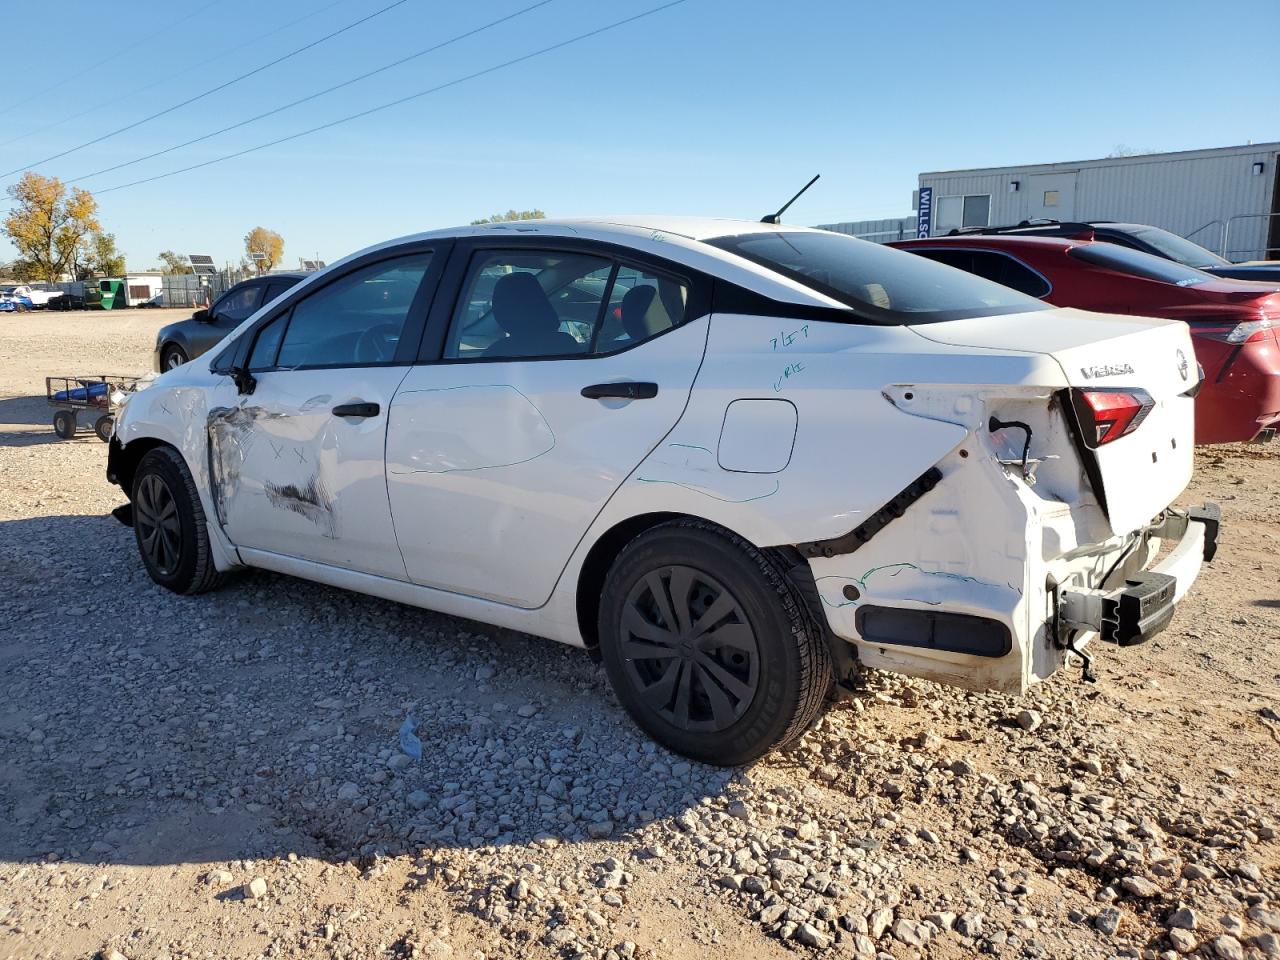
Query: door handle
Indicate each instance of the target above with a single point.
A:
(623, 390)
(358, 409)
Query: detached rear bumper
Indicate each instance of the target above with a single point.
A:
(1143, 607)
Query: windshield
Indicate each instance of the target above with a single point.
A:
(7, 289)
(1111, 256)
(1179, 248)
(881, 284)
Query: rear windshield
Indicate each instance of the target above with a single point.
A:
(881, 284)
(1179, 248)
(1111, 256)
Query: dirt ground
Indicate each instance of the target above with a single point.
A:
(222, 777)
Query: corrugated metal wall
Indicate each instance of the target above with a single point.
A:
(1193, 194)
(878, 231)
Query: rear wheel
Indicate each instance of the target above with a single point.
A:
(102, 427)
(172, 356)
(709, 646)
(169, 524)
(64, 424)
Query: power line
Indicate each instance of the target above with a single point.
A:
(321, 93)
(172, 76)
(119, 53)
(221, 86)
(396, 103)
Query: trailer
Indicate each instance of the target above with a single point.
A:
(133, 290)
(99, 395)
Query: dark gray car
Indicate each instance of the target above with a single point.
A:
(185, 340)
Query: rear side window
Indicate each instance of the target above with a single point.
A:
(997, 267)
(641, 305)
(1135, 263)
(882, 285)
(525, 304)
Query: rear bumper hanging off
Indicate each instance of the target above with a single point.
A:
(1145, 604)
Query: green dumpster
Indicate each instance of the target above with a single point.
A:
(111, 289)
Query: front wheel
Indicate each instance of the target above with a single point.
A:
(169, 524)
(709, 646)
(172, 358)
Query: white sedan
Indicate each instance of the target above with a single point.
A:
(734, 459)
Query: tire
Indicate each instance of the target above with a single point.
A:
(103, 426)
(64, 424)
(174, 545)
(172, 357)
(760, 689)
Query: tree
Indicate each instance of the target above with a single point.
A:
(48, 225)
(511, 215)
(102, 258)
(174, 262)
(264, 241)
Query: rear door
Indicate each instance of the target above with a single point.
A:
(549, 376)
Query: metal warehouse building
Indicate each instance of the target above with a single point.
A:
(1226, 199)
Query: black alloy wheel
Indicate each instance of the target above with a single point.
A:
(689, 649)
(159, 527)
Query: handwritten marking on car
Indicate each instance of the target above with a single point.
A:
(791, 370)
(786, 339)
(708, 493)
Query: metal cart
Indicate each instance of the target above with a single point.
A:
(101, 395)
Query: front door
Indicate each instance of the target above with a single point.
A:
(1052, 196)
(298, 462)
(559, 372)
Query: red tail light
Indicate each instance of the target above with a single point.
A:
(1230, 332)
(1107, 415)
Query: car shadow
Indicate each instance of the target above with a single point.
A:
(28, 421)
(141, 727)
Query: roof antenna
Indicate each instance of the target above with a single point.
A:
(777, 217)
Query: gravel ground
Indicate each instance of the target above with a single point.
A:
(222, 776)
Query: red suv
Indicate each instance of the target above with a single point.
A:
(1234, 324)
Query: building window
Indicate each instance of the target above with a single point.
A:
(954, 213)
(1051, 198)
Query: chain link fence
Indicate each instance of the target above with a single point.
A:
(197, 290)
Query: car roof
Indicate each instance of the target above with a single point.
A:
(682, 239)
(994, 240)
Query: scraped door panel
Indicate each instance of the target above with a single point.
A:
(292, 478)
(495, 470)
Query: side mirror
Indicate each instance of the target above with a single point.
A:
(202, 315)
(244, 380)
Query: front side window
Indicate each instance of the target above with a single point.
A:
(239, 303)
(881, 284)
(356, 319)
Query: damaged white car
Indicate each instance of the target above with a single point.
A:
(736, 459)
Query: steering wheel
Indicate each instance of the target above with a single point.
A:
(378, 344)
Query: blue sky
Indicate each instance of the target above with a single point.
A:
(715, 107)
